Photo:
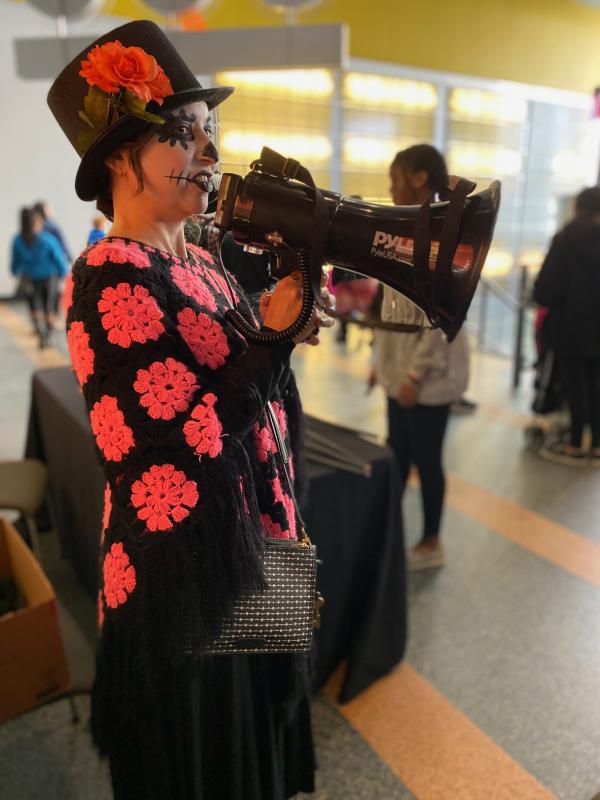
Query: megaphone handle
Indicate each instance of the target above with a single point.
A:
(270, 338)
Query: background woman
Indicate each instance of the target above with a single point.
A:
(176, 400)
(421, 373)
(38, 258)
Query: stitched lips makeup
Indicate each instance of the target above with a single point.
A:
(205, 181)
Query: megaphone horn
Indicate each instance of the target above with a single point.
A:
(433, 253)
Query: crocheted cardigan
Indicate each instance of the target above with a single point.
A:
(176, 403)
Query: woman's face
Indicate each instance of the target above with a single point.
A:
(178, 162)
(38, 222)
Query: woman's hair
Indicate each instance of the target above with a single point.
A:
(587, 202)
(425, 158)
(104, 201)
(40, 208)
(28, 216)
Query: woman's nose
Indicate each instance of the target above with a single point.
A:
(210, 153)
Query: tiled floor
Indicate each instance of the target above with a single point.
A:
(497, 697)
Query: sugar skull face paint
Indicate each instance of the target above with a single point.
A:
(177, 129)
(179, 160)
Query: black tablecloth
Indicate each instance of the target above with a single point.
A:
(354, 521)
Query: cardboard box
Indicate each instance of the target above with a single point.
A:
(33, 668)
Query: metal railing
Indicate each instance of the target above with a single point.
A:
(499, 321)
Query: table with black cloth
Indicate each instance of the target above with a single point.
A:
(354, 521)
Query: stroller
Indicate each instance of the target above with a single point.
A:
(551, 423)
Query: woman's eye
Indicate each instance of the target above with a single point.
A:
(208, 130)
(182, 129)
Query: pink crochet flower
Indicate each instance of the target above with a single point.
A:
(82, 355)
(264, 442)
(106, 513)
(117, 251)
(277, 490)
(200, 251)
(204, 336)
(287, 502)
(119, 576)
(273, 529)
(113, 436)
(165, 388)
(281, 417)
(191, 283)
(219, 283)
(163, 496)
(203, 431)
(67, 295)
(130, 314)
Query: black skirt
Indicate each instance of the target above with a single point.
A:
(230, 729)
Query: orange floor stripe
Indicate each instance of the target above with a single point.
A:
(432, 747)
(538, 534)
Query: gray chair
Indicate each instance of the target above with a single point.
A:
(23, 488)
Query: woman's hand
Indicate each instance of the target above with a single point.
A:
(407, 394)
(280, 309)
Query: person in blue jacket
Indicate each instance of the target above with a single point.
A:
(38, 258)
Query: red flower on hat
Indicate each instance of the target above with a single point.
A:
(113, 436)
(119, 576)
(203, 431)
(130, 314)
(112, 67)
(165, 388)
(163, 496)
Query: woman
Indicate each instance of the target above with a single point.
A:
(38, 259)
(421, 373)
(176, 399)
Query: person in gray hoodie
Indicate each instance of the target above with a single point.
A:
(421, 374)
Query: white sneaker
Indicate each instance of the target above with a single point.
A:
(422, 559)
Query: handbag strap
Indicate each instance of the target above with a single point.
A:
(285, 459)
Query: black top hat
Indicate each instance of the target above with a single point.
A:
(121, 94)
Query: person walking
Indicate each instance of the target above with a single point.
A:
(37, 258)
(568, 285)
(420, 373)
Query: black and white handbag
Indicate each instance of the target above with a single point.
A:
(281, 618)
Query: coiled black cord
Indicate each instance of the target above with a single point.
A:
(271, 338)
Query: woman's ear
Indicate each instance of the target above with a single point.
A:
(116, 163)
(419, 179)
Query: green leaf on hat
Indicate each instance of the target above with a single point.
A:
(96, 105)
(137, 108)
(85, 139)
(85, 118)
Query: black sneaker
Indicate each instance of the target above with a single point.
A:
(561, 454)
